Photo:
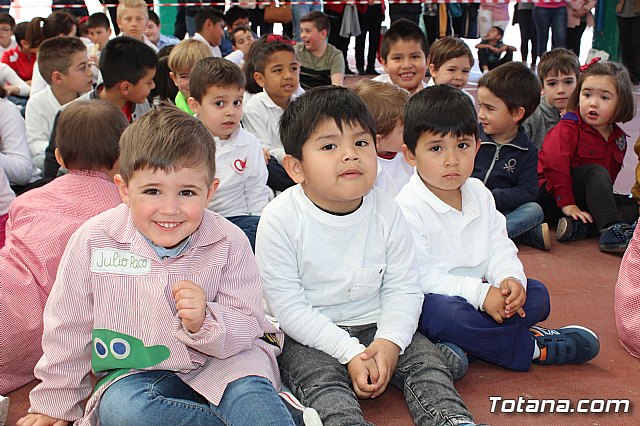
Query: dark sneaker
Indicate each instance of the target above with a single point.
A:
(572, 344)
(616, 237)
(301, 415)
(571, 230)
(372, 71)
(457, 361)
(537, 237)
(347, 71)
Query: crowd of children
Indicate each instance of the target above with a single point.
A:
(257, 237)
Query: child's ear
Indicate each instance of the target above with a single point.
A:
(173, 78)
(212, 188)
(432, 70)
(124, 87)
(324, 34)
(57, 77)
(293, 168)
(517, 115)
(409, 156)
(123, 189)
(59, 158)
(194, 105)
(259, 78)
(378, 139)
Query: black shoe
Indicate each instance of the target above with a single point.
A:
(371, 71)
(347, 71)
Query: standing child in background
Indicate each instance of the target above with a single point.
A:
(558, 71)
(132, 20)
(160, 298)
(337, 264)
(217, 86)
(476, 293)
(450, 62)
(40, 224)
(99, 30)
(182, 59)
(506, 161)
(277, 71)
(403, 54)
(152, 32)
(21, 58)
(582, 156)
(7, 26)
(386, 103)
(491, 48)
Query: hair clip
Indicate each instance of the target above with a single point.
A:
(83, 20)
(585, 67)
(278, 37)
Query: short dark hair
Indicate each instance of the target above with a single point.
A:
(168, 139)
(207, 13)
(626, 107)
(317, 106)
(153, 17)
(20, 31)
(447, 48)
(441, 110)
(558, 61)
(211, 72)
(98, 19)
(126, 59)
(403, 30)
(55, 54)
(514, 84)
(318, 19)
(90, 147)
(500, 30)
(236, 30)
(264, 49)
(5, 18)
(234, 13)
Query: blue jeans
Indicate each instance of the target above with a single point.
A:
(556, 19)
(162, 398)
(297, 12)
(509, 345)
(249, 225)
(524, 218)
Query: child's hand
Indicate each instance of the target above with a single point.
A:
(266, 154)
(385, 353)
(574, 212)
(40, 420)
(363, 374)
(494, 304)
(11, 90)
(516, 296)
(191, 303)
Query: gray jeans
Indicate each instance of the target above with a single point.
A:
(319, 381)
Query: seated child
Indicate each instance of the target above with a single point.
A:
(210, 30)
(132, 17)
(506, 161)
(627, 298)
(40, 224)
(216, 86)
(21, 58)
(337, 264)
(99, 30)
(277, 71)
(491, 49)
(558, 71)
(320, 62)
(235, 17)
(63, 63)
(162, 278)
(403, 54)
(450, 62)
(476, 293)
(182, 59)
(7, 26)
(128, 67)
(582, 156)
(242, 39)
(152, 32)
(386, 103)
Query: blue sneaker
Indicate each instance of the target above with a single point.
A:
(457, 361)
(616, 237)
(572, 344)
(571, 230)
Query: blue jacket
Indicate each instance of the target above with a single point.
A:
(508, 170)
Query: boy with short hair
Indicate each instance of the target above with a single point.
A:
(476, 293)
(386, 103)
(7, 26)
(99, 30)
(210, 30)
(491, 48)
(21, 58)
(41, 222)
(320, 62)
(234, 17)
(183, 57)
(507, 162)
(132, 17)
(64, 64)
(403, 54)
(450, 62)
(159, 293)
(216, 86)
(242, 39)
(152, 32)
(558, 71)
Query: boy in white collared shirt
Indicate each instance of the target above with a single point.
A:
(476, 292)
(132, 20)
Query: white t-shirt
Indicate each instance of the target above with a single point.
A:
(393, 174)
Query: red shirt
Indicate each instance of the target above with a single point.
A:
(21, 63)
(573, 143)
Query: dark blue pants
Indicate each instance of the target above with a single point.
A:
(509, 345)
(249, 225)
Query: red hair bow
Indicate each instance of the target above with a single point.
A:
(586, 66)
(278, 37)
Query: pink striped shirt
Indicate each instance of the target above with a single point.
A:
(97, 290)
(627, 297)
(41, 222)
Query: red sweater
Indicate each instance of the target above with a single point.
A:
(573, 143)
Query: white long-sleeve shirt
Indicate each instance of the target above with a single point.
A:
(6, 194)
(461, 253)
(243, 176)
(320, 271)
(237, 56)
(14, 151)
(261, 116)
(9, 76)
(39, 116)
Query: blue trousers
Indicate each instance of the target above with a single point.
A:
(523, 219)
(556, 19)
(509, 345)
(162, 398)
(249, 225)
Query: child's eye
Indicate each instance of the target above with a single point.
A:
(605, 98)
(466, 71)
(362, 143)
(294, 68)
(435, 148)
(237, 102)
(151, 191)
(551, 84)
(328, 147)
(219, 103)
(187, 193)
(463, 145)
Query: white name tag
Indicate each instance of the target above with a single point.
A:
(119, 262)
